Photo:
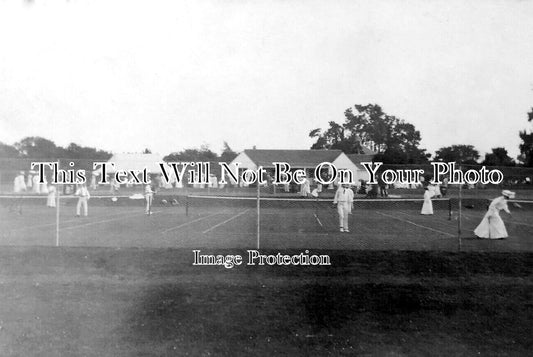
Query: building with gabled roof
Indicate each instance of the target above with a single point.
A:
(301, 159)
(298, 159)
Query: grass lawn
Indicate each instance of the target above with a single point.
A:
(141, 302)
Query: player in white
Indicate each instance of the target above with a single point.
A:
(427, 206)
(29, 180)
(149, 197)
(344, 201)
(51, 199)
(492, 226)
(35, 184)
(83, 196)
(305, 188)
(19, 186)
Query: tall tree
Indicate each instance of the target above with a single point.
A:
(35, 147)
(460, 154)
(227, 153)
(8, 151)
(75, 151)
(203, 154)
(498, 157)
(526, 147)
(395, 140)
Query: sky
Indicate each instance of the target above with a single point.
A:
(169, 75)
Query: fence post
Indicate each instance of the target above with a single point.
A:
(258, 216)
(58, 205)
(460, 212)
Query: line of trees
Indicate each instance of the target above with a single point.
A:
(395, 140)
(365, 126)
(398, 142)
(202, 154)
(36, 147)
(526, 147)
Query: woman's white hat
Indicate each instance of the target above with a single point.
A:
(508, 193)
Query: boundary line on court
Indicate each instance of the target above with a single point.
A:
(226, 221)
(417, 225)
(187, 223)
(104, 221)
(444, 222)
(318, 220)
(64, 221)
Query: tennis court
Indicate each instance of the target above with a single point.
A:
(244, 222)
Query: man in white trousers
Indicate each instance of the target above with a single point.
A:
(344, 201)
(83, 196)
(149, 192)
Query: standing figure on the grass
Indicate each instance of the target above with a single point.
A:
(44, 187)
(382, 187)
(149, 191)
(427, 207)
(29, 181)
(51, 199)
(93, 180)
(344, 201)
(436, 191)
(492, 226)
(18, 184)
(35, 184)
(373, 192)
(444, 187)
(305, 189)
(83, 196)
(114, 186)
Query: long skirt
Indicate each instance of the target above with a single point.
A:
(51, 199)
(491, 227)
(427, 207)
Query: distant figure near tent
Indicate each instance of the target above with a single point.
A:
(427, 207)
(444, 187)
(18, 184)
(382, 187)
(149, 191)
(29, 181)
(51, 199)
(492, 226)
(305, 189)
(35, 184)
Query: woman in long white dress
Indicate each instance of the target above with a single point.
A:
(305, 189)
(492, 226)
(427, 207)
(51, 199)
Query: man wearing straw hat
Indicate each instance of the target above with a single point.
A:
(492, 226)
